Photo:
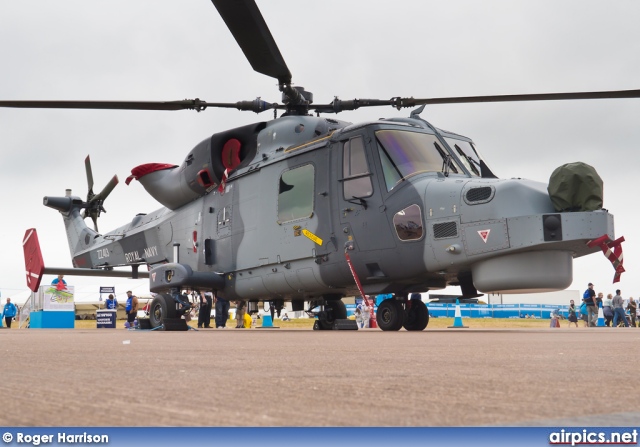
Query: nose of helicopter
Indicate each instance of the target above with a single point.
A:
(507, 234)
(483, 200)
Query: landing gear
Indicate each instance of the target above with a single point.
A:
(165, 307)
(390, 315)
(393, 314)
(275, 308)
(416, 316)
(332, 310)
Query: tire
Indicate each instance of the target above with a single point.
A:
(338, 309)
(416, 318)
(334, 310)
(390, 315)
(162, 306)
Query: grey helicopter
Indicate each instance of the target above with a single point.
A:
(309, 209)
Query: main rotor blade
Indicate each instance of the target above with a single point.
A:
(338, 105)
(256, 105)
(87, 166)
(244, 20)
(102, 195)
(615, 94)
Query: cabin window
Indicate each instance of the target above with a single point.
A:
(467, 155)
(355, 171)
(295, 193)
(404, 154)
(408, 223)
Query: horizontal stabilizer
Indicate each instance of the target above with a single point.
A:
(35, 269)
(134, 274)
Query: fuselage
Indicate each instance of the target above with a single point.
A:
(415, 207)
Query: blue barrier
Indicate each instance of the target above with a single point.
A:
(447, 310)
(441, 310)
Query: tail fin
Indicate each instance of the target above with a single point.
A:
(33, 262)
(79, 235)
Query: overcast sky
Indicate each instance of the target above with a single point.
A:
(161, 50)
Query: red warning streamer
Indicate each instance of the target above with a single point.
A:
(613, 251)
(360, 289)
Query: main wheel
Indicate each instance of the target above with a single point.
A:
(333, 310)
(390, 315)
(416, 317)
(162, 306)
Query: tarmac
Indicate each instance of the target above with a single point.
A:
(299, 377)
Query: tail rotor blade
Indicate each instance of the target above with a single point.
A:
(102, 195)
(87, 166)
(94, 218)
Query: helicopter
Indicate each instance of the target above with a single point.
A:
(271, 210)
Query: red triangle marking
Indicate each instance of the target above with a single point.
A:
(484, 234)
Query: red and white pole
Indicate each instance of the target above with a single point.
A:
(369, 301)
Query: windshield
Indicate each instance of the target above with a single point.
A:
(404, 154)
(467, 154)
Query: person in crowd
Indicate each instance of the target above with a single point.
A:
(9, 311)
(59, 282)
(589, 298)
(555, 318)
(632, 307)
(599, 300)
(618, 310)
(222, 312)
(583, 314)
(573, 318)
(204, 314)
(240, 311)
(131, 308)
(607, 310)
(111, 302)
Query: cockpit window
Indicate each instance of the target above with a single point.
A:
(467, 154)
(404, 154)
(408, 223)
(354, 169)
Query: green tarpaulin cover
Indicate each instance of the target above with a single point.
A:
(576, 187)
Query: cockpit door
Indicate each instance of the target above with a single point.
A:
(362, 210)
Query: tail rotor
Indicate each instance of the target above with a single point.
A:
(94, 205)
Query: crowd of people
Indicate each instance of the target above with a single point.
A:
(617, 311)
(206, 301)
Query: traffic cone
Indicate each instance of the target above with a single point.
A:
(267, 323)
(600, 322)
(457, 319)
